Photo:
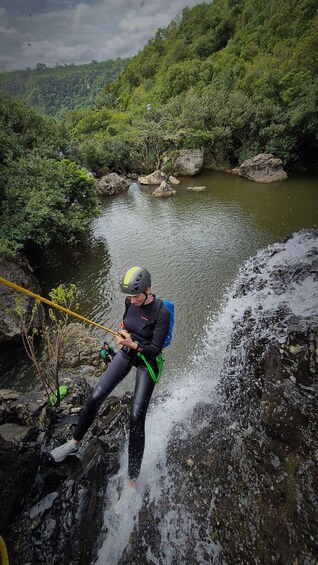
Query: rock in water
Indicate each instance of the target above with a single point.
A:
(263, 168)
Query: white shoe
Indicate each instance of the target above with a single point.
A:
(68, 448)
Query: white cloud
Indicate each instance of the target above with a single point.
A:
(4, 60)
(8, 33)
(57, 31)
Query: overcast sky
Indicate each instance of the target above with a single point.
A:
(69, 31)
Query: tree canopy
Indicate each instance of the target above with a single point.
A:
(55, 91)
(233, 76)
(44, 196)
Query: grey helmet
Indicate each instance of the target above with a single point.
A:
(135, 281)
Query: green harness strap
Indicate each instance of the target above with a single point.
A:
(160, 361)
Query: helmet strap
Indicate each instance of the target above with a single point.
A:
(146, 296)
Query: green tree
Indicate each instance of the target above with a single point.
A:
(44, 197)
(46, 358)
(44, 201)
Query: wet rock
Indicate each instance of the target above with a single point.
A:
(263, 168)
(251, 495)
(290, 389)
(26, 409)
(196, 188)
(111, 184)
(10, 325)
(157, 177)
(164, 190)
(53, 513)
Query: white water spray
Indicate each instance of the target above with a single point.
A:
(195, 384)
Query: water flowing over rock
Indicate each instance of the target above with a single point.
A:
(263, 168)
(239, 481)
(164, 190)
(111, 184)
(243, 482)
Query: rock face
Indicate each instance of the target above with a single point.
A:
(157, 177)
(246, 474)
(111, 184)
(189, 162)
(10, 328)
(263, 168)
(164, 190)
(53, 513)
(80, 347)
(241, 471)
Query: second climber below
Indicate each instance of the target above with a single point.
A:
(145, 329)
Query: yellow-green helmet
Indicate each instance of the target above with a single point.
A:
(135, 281)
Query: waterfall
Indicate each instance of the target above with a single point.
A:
(279, 278)
(193, 384)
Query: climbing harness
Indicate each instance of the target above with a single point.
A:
(159, 360)
(157, 303)
(54, 305)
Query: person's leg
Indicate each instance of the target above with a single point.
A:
(139, 405)
(114, 374)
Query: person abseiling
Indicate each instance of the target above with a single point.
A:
(144, 334)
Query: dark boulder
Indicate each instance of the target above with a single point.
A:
(21, 275)
(53, 513)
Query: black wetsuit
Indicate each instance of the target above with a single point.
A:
(138, 321)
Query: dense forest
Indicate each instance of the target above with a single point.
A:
(55, 91)
(236, 77)
(44, 196)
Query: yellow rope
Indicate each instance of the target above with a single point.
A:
(4, 559)
(54, 305)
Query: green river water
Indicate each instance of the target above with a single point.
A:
(193, 244)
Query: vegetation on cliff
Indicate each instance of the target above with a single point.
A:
(236, 77)
(44, 196)
(57, 90)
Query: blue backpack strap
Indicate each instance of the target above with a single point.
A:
(157, 303)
